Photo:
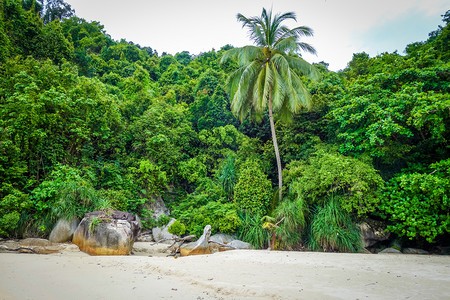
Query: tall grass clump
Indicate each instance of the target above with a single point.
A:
(291, 216)
(252, 231)
(332, 229)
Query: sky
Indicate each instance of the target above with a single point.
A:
(341, 27)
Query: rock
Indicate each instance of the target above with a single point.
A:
(221, 238)
(32, 242)
(63, 231)
(145, 237)
(150, 249)
(390, 251)
(414, 251)
(218, 242)
(373, 232)
(157, 207)
(107, 233)
(444, 250)
(201, 246)
(41, 246)
(237, 244)
(364, 251)
(161, 234)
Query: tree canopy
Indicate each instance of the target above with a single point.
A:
(88, 122)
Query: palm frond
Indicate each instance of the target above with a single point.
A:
(299, 64)
(233, 80)
(286, 44)
(279, 88)
(243, 55)
(307, 48)
(301, 31)
(268, 86)
(258, 89)
(239, 103)
(302, 96)
(249, 54)
(229, 55)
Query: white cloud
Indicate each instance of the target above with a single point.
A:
(200, 25)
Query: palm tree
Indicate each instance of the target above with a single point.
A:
(268, 73)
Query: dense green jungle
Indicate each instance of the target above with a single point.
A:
(90, 123)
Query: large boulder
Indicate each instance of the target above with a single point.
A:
(373, 232)
(201, 246)
(107, 233)
(162, 234)
(63, 231)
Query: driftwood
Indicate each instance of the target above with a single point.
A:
(182, 240)
(19, 249)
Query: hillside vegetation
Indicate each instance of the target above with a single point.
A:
(87, 123)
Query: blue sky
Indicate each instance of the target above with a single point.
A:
(342, 27)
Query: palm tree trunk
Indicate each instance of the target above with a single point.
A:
(275, 146)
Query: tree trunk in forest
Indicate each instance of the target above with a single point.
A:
(275, 146)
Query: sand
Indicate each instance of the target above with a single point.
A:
(237, 274)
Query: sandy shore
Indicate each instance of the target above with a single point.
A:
(238, 274)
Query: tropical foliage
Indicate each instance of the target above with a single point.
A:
(87, 123)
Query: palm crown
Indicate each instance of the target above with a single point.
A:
(271, 68)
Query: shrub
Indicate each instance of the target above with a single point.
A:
(65, 194)
(12, 206)
(221, 216)
(163, 220)
(177, 228)
(417, 205)
(204, 207)
(326, 174)
(253, 191)
(227, 176)
(117, 199)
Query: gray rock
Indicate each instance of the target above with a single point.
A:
(373, 232)
(145, 237)
(150, 249)
(390, 251)
(107, 233)
(157, 207)
(30, 242)
(222, 238)
(218, 242)
(414, 251)
(63, 231)
(237, 244)
(41, 246)
(201, 246)
(161, 234)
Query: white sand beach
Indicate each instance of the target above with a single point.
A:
(238, 274)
